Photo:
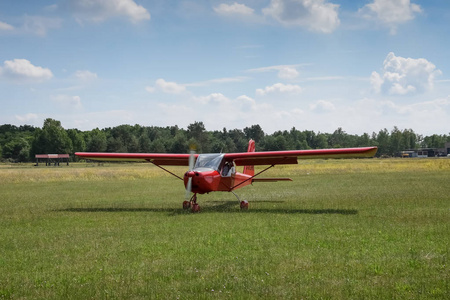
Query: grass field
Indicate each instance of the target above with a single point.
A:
(343, 229)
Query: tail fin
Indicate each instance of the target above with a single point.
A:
(250, 170)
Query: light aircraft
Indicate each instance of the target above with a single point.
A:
(217, 172)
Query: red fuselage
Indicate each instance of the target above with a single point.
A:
(206, 181)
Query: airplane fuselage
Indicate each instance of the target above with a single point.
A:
(209, 180)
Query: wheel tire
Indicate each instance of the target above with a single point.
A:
(195, 208)
(244, 205)
(186, 204)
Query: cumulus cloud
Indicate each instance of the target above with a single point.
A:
(214, 97)
(316, 15)
(24, 70)
(85, 75)
(401, 76)
(234, 9)
(279, 88)
(322, 106)
(288, 73)
(166, 87)
(5, 26)
(101, 10)
(391, 13)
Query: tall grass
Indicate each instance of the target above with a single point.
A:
(343, 229)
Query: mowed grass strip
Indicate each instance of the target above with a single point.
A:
(343, 229)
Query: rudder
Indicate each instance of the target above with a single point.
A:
(250, 170)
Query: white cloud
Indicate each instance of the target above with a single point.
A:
(284, 71)
(322, 106)
(214, 97)
(390, 12)
(288, 73)
(23, 70)
(403, 76)
(85, 75)
(68, 102)
(5, 26)
(101, 10)
(166, 87)
(316, 15)
(279, 88)
(274, 68)
(235, 9)
(30, 117)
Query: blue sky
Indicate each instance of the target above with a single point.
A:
(309, 64)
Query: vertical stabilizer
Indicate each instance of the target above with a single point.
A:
(250, 170)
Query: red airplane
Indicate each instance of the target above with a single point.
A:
(217, 172)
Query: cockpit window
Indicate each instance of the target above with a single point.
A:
(210, 161)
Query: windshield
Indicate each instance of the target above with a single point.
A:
(210, 161)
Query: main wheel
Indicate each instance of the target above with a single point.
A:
(186, 204)
(195, 208)
(244, 205)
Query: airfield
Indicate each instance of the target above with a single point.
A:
(343, 229)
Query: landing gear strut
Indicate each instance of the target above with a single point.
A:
(192, 203)
(243, 204)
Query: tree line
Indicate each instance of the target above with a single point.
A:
(20, 144)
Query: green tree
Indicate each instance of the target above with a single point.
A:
(180, 143)
(17, 149)
(254, 132)
(157, 146)
(78, 143)
(275, 143)
(52, 138)
(145, 142)
(96, 141)
(382, 141)
(199, 136)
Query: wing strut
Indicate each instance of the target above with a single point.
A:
(165, 170)
(232, 188)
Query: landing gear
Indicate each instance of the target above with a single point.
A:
(244, 205)
(192, 203)
(195, 208)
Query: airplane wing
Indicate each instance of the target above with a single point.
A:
(159, 159)
(291, 157)
(240, 159)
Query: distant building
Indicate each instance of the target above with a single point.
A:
(52, 159)
(447, 148)
(427, 152)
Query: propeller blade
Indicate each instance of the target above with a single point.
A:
(189, 183)
(191, 160)
(188, 189)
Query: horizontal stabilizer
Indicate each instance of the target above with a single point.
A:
(270, 179)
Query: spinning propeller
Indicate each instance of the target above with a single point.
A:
(190, 201)
(189, 183)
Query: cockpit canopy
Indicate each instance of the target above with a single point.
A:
(209, 161)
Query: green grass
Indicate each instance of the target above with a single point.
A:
(343, 229)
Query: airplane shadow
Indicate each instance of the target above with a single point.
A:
(215, 207)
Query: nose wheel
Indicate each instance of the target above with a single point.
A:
(192, 204)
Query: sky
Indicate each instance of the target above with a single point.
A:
(310, 64)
